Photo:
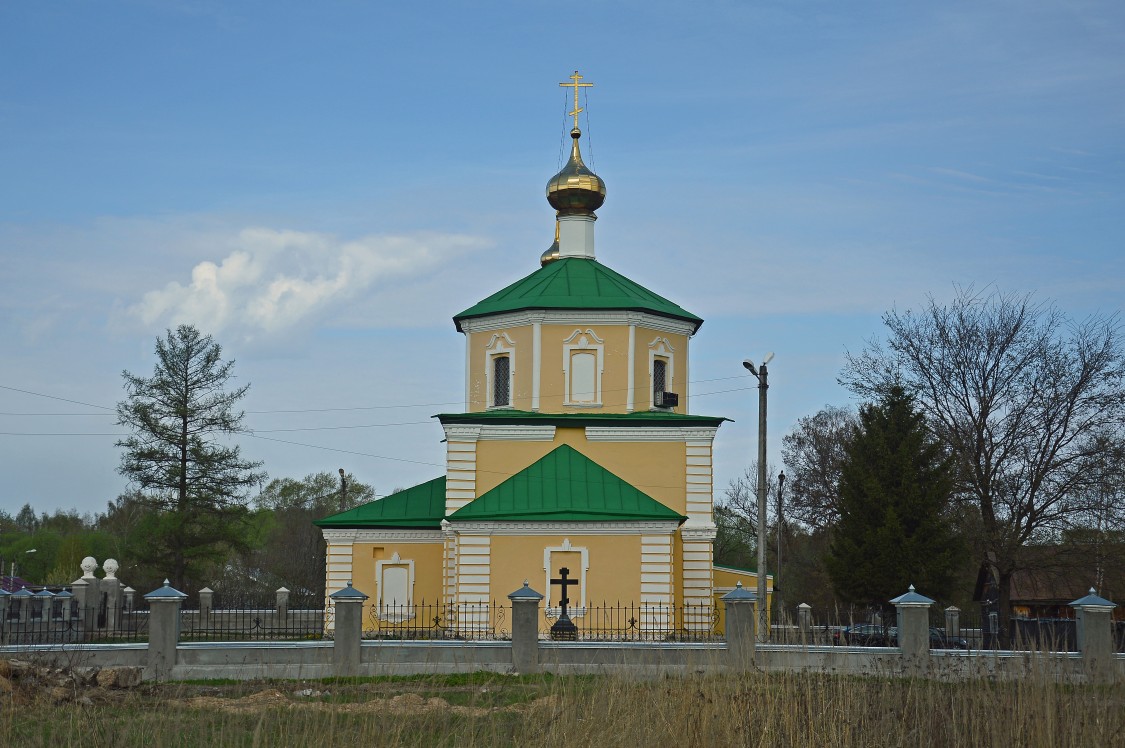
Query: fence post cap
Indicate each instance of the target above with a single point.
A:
(952, 609)
(911, 599)
(525, 593)
(207, 589)
(804, 606)
(1093, 602)
(739, 594)
(128, 590)
(166, 593)
(282, 589)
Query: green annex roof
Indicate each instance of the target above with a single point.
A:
(639, 419)
(576, 283)
(422, 506)
(564, 486)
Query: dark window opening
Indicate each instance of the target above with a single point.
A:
(501, 380)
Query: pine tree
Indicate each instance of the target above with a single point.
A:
(894, 528)
(195, 486)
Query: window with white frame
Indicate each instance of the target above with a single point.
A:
(396, 588)
(661, 368)
(583, 363)
(500, 370)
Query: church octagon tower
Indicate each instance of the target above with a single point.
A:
(576, 449)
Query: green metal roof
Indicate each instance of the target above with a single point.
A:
(564, 486)
(422, 506)
(576, 283)
(639, 419)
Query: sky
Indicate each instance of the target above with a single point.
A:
(322, 186)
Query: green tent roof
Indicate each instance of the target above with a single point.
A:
(639, 419)
(564, 486)
(422, 506)
(576, 283)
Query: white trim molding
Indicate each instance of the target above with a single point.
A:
(661, 348)
(516, 433)
(500, 345)
(638, 527)
(576, 611)
(699, 533)
(579, 342)
(649, 433)
(379, 534)
(567, 317)
(400, 612)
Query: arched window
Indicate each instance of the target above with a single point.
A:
(501, 380)
(659, 377)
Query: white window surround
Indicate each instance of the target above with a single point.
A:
(500, 344)
(395, 564)
(580, 343)
(660, 347)
(574, 611)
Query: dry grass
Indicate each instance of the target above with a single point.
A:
(774, 709)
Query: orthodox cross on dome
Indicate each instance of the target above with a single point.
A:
(576, 85)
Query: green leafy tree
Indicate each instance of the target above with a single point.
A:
(292, 550)
(196, 486)
(894, 527)
(1025, 397)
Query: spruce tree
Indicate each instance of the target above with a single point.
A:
(895, 489)
(195, 486)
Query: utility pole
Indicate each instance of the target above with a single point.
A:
(763, 384)
(780, 523)
(343, 491)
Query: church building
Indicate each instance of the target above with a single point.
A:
(577, 450)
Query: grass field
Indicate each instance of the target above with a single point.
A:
(497, 710)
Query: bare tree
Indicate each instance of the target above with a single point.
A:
(814, 453)
(1020, 393)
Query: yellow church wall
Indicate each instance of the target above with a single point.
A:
(552, 385)
(522, 340)
(428, 574)
(613, 576)
(614, 376)
(656, 468)
(644, 344)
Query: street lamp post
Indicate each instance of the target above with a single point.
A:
(13, 577)
(763, 384)
(780, 497)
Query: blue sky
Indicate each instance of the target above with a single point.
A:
(323, 185)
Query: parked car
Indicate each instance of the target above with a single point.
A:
(864, 635)
(874, 635)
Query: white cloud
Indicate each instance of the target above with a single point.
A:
(272, 281)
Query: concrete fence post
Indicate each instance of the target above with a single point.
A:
(80, 588)
(206, 601)
(1095, 635)
(282, 604)
(112, 588)
(952, 622)
(164, 606)
(4, 597)
(130, 598)
(24, 596)
(914, 631)
(525, 629)
(740, 620)
(804, 621)
(348, 635)
(66, 600)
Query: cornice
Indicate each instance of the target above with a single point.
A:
(578, 317)
(650, 433)
(655, 527)
(371, 534)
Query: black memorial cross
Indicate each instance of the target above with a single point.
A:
(564, 628)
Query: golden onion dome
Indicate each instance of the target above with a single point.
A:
(552, 252)
(575, 189)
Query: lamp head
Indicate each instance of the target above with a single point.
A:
(750, 365)
(768, 358)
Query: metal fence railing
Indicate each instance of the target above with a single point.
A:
(630, 622)
(46, 617)
(468, 621)
(250, 619)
